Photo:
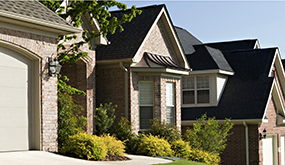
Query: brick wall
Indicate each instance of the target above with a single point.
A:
(110, 87)
(43, 47)
(82, 76)
(159, 97)
(156, 43)
(271, 128)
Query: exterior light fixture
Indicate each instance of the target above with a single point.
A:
(263, 134)
(53, 66)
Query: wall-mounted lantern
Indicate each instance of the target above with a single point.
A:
(53, 66)
(263, 134)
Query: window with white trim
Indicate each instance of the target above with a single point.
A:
(146, 103)
(170, 103)
(196, 90)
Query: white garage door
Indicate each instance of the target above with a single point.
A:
(269, 150)
(15, 72)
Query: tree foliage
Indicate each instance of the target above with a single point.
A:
(208, 134)
(104, 118)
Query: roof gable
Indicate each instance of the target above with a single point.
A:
(124, 45)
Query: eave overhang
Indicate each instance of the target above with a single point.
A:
(25, 21)
(193, 72)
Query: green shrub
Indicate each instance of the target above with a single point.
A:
(70, 119)
(85, 146)
(154, 146)
(104, 118)
(181, 149)
(114, 146)
(124, 132)
(167, 131)
(199, 155)
(208, 134)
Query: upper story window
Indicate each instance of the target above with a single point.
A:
(196, 90)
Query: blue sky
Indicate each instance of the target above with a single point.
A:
(216, 21)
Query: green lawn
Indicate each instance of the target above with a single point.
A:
(184, 162)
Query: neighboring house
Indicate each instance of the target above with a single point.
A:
(240, 81)
(28, 95)
(141, 69)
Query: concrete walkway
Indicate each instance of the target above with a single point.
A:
(46, 158)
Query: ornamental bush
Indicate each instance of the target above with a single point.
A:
(85, 146)
(124, 132)
(199, 155)
(181, 149)
(105, 116)
(208, 134)
(167, 131)
(154, 146)
(114, 146)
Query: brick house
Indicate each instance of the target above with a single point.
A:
(141, 69)
(28, 95)
(243, 82)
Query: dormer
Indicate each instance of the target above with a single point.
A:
(203, 88)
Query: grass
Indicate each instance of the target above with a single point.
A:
(184, 162)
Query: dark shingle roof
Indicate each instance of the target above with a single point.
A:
(32, 9)
(233, 45)
(125, 44)
(206, 58)
(187, 40)
(246, 93)
(283, 63)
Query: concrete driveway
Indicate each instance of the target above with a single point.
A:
(46, 158)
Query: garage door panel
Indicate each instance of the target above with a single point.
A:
(13, 81)
(14, 139)
(13, 118)
(15, 98)
(14, 59)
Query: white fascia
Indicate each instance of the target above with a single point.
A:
(211, 71)
(257, 45)
(160, 70)
(274, 91)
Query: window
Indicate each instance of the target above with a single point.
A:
(146, 103)
(196, 90)
(170, 103)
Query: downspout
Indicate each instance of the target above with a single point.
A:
(246, 142)
(126, 91)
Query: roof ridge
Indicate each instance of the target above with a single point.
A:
(230, 41)
(140, 8)
(249, 50)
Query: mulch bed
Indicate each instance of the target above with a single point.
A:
(108, 158)
(116, 158)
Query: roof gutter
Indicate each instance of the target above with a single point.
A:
(236, 122)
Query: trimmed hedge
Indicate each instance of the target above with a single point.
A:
(154, 146)
(114, 146)
(181, 149)
(85, 146)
